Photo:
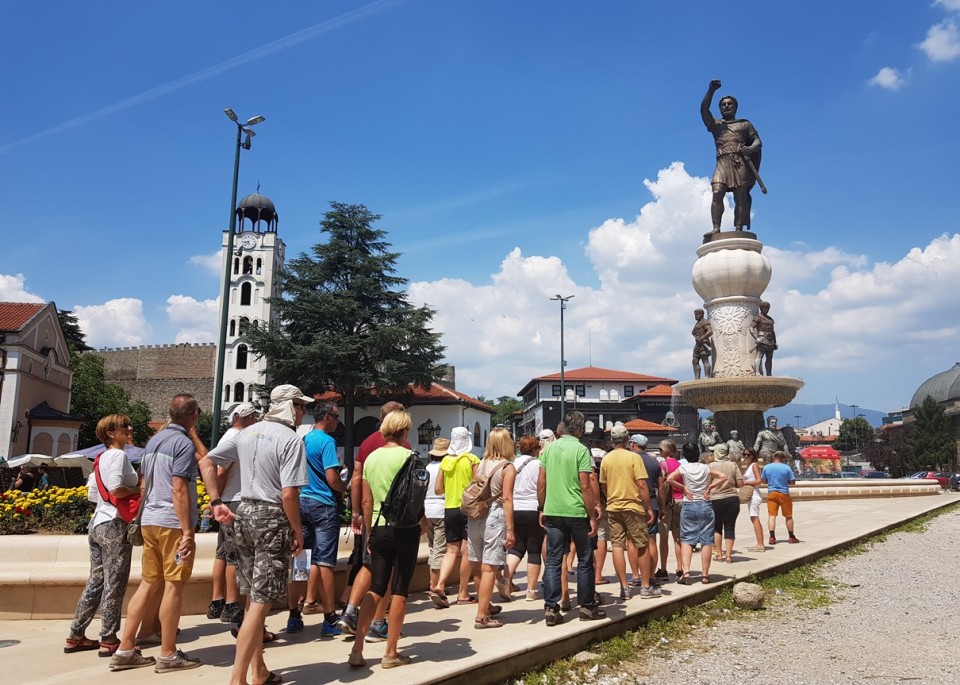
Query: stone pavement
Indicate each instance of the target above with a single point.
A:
(443, 643)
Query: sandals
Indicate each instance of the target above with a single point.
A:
(80, 644)
(487, 622)
(469, 600)
(272, 679)
(705, 580)
(729, 560)
(495, 609)
(107, 649)
(684, 579)
(439, 599)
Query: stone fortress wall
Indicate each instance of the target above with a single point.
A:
(155, 373)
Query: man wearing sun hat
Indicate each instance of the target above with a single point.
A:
(273, 468)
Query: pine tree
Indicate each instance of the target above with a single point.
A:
(931, 437)
(344, 322)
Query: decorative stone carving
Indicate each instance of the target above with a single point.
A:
(753, 393)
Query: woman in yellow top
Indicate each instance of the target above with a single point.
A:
(456, 472)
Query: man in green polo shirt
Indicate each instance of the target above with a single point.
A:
(568, 513)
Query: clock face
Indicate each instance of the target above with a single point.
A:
(248, 241)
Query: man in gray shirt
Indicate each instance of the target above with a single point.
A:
(273, 468)
(168, 522)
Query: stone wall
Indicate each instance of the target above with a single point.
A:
(155, 373)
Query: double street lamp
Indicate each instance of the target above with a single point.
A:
(563, 386)
(242, 130)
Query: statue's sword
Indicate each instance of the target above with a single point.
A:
(753, 169)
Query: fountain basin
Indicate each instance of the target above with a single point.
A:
(744, 393)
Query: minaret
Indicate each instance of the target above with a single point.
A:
(258, 254)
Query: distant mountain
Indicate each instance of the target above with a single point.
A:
(815, 413)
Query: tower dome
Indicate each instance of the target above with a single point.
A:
(942, 387)
(257, 208)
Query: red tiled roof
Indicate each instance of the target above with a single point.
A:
(661, 390)
(817, 439)
(643, 426)
(13, 315)
(595, 373)
(436, 394)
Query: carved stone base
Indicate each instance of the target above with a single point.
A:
(749, 393)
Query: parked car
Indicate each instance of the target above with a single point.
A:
(875, 474)
(944, 478)
(955, 482)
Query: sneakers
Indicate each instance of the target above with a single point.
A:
(598, 599)
(565, 605)
(376, 634)
(135, 660)
(503, 589)
(634, 582)
(348, 623)
(591, 613)
(552, 617)
(310, 608)
(772, 540)
(652, 592)
(793, 540)
(661, 574)
(626, 592)
(294, 624)
(178, 662)
(330, 629)
(215, 608)
(232, 613)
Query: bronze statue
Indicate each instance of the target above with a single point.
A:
(763, 333)
(738, 158)
(735, 445)
(770, 440)
(708, 437)
(703, 347)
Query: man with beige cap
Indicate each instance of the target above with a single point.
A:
(433, 508)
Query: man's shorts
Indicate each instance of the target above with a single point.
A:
(654, 528)
(437, 541)
(454, 526)
(778, 501)
(226, 543)
(263, 551)
(603, 528)
(626, 525)
(321, 531)
(671, 517)
(159, 561)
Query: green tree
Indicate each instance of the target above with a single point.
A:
(505, 406)
(92, 398)
(205, 427)
(855, 434)
(931, 438)
(345, 323)
(76, 340)
(891, 452)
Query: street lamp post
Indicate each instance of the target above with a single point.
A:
(563, 362)
(225, 294)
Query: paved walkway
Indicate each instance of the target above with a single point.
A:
(443, 643)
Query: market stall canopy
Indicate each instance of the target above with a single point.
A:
(134, 453)
(820, 452)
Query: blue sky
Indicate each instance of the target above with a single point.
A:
(515, 150)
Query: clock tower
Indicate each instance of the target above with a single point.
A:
(258, 254)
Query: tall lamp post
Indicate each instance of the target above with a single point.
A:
(563, 362)
(242, 129)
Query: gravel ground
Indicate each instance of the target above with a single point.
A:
(898, 623)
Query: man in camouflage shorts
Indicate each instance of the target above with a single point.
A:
(273, 467)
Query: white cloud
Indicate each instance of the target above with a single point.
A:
(951, 5)
(212, 263)
(13, 289)
(888, 78)
(843, 322)
(942, 43)
(115, 323)
(195, 320)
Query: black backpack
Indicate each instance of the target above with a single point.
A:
(403, 505)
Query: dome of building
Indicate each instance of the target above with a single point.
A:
(257, 208)
(943, 387)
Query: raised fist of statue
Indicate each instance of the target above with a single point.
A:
(715, 84)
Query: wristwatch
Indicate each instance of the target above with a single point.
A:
(215, 502)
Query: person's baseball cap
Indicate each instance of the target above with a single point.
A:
(546, 434)
(244, 410)
(282, 393)
(639, 439)
(619, 433)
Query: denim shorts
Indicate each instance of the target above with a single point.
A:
(321, 531)
(696, 523)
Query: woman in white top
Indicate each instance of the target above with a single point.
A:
(751, 477)
(696, 516)
(109, 550)
(528, 533)
(433, 507)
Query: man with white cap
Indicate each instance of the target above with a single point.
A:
(224, 603)
(456, 471)
(657, 489)
(273, 468)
